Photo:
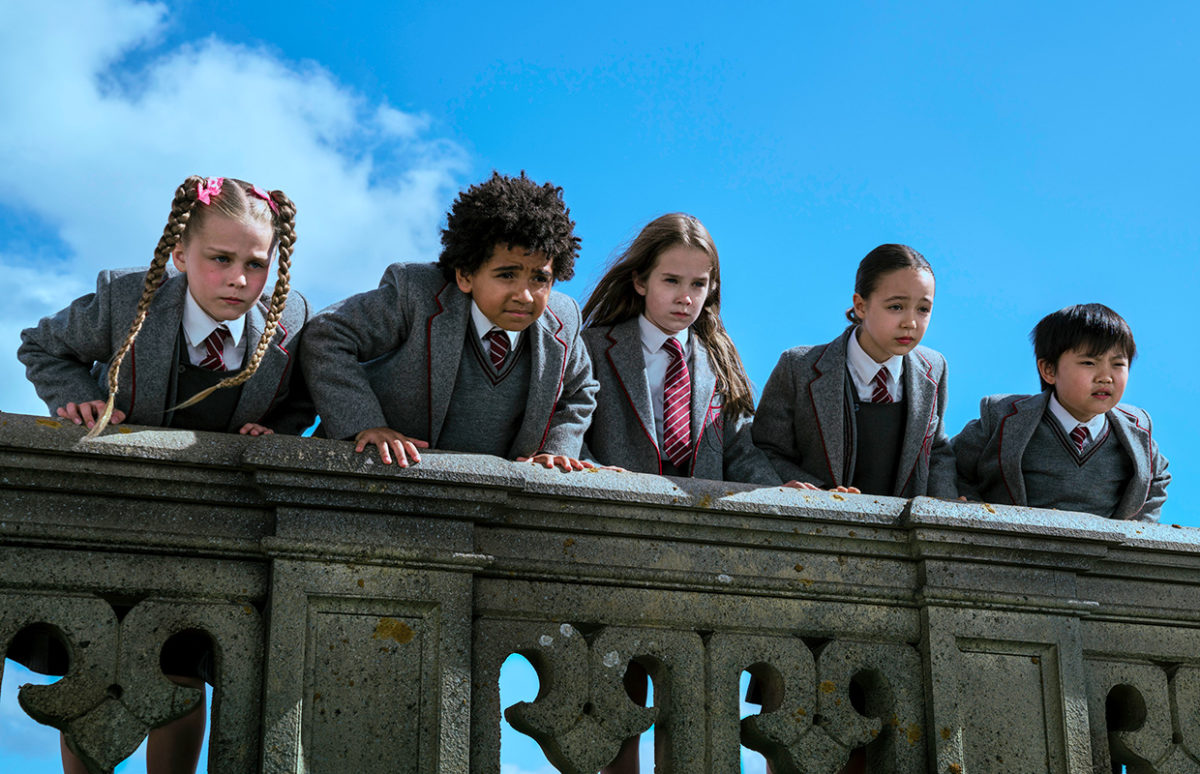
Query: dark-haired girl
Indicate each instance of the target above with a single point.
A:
(674, 397)
(863, 413)
(202, 333)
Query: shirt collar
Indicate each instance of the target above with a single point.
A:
(865, 367)
(653, 338)
(483, 326)
(1095, 425)
(197, 325)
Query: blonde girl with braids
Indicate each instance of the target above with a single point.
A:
(666, 287)
(176, 345)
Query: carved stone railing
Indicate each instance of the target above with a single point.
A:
(360, 613)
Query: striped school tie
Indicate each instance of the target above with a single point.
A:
(214, 349)
(879, 386)
(497, 346)
(677, 399)
(1080, 436)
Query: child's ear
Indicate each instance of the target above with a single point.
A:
(177, 258)
(1047, 371)
(638, 284)
(860, 306)
(464, 281)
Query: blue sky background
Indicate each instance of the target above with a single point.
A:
(1038, 154)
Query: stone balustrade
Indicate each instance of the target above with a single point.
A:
(360, 613)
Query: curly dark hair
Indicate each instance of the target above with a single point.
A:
(509, 211)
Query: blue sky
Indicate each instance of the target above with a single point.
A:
(1038, 154)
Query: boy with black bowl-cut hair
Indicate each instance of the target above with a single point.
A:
(1074, 446)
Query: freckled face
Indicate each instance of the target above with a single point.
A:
(1087, 385)
(896, 314)
(512, 287)
(227, 263)
(676, 288)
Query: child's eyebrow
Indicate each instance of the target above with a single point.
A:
(508, 267)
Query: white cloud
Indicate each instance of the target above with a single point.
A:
(93, 147)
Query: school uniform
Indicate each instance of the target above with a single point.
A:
(66, 357)
(1019, 453)
(808, 422)
(627, 427)
(397, 357)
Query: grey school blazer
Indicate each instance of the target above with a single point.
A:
(623, 432)
(805, 421)
(989, 452)
(389, 358)
(66, 356)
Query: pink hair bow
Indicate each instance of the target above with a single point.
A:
(260, 193)
(210, 187)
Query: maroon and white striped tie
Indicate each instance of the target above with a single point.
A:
(1080, 436)
(214, 349)
(677, 400)
(497, 346)
(879, 386)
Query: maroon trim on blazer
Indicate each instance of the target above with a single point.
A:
(926, 442)
(437, 297)
(1149, 455)
(628, 397)
(703, 424)
(282, 376)
(561, 374)
(833, 479)
(1000, 447)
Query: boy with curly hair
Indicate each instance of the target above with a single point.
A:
(475, 353)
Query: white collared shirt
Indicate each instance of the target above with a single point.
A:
(197, 326)
(484, 326)
(1095, 426)
(863, 368)
(657, 362)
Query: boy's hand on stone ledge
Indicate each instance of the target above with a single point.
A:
(88, 412)
(794, 484)
(555, 461)
(250, 428)
(391, 443)
(845, 489)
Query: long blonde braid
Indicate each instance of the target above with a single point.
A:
(285, 233)
(181, 212)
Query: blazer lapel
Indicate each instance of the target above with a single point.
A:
(1135, 445)
(548, 362)
(624, 353)
(444, 350)
(154, 355)
(1016, 430)
(920, 390)
(827, 391)
(259, 390)
(704, 384)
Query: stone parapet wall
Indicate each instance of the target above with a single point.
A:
(360, 613)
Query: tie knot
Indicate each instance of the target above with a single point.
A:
(1080, 436)
(498, 345)
(214, 349)
(673, 347)
(880, 392)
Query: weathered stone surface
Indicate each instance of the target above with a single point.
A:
(360, 613)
